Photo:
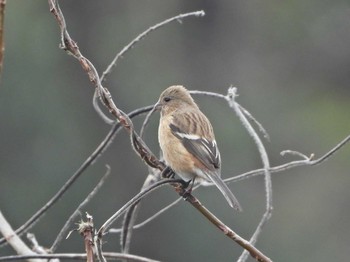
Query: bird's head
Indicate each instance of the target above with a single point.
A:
(173, 98)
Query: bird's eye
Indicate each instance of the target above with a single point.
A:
(166, 99)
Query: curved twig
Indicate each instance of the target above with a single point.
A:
(98, 151)
(111, 255)
(138, 144)
(177, 18)
(297, 163)
(232, 94)
(102, 230)
(63, 231)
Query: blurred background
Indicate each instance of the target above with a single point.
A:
(290, 61)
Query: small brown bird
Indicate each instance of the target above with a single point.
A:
(187, 140)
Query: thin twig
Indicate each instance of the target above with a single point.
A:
(232, 93)
(14, 240)
(331, 152)
(143, 34)
(259, 125)
(127, 227)
(97, 152)
(289, 165)
(37, 248)
(123, 209)
(86, 230)
(253, 251)
(212, 94)
(96, 105)
(154, 216)
(296, 153)
(245, 111)
(131, 214)
(145, 122)
(132, 201)
(138, 144)
(250, 174)
(148, 220)
(63, 232)
(111, 255)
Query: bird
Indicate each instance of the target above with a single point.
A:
(187, 141)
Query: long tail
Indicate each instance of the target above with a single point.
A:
(230, 198)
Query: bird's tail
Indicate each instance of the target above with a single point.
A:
(230, 198)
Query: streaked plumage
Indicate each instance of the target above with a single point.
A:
(187, 140)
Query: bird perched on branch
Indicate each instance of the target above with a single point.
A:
(187, 140)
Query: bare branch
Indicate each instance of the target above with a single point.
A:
(134, 200)
(14, 240)
(145, 122)
(148, 220)
(138, 144)
(145, 33)
(98, 151)
(111, 255)
(251, 117)
(293, 164)
(331, 152)
(86, 229)
(70, 220)
(296, 153)
(245, 111)
(131, 214)
(99, 111)
(232, 93)
(122, 210)
(253, 251)
(212, 94)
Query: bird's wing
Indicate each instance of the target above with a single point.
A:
(196, 134)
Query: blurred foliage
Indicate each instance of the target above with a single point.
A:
(290, 61)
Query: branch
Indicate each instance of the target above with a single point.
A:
(151, 218)
(76, 257)
(133, 201)
(143, 34)
(70, 220)
(232, 94)
(86, 229)
(13, 239)
(122, 210)
(98, 151)
(253, 251)
(287, 166)
(253, 173)
(131, 214)
(138, 144)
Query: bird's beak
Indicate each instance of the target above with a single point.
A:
(157, 106)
